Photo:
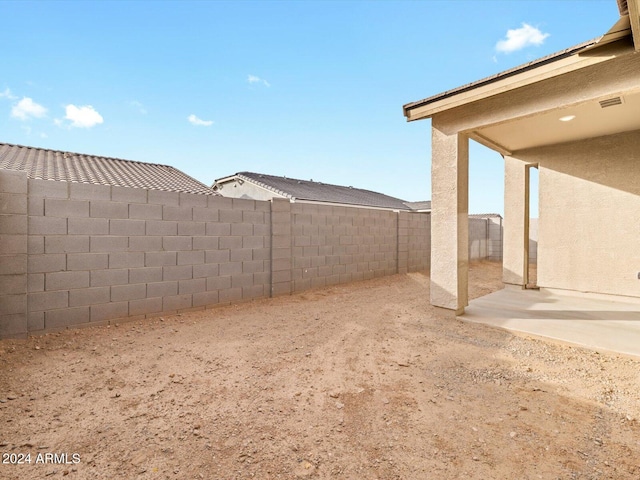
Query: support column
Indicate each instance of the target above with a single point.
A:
(449, 220)
(516, 221)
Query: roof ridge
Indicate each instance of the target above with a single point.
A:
(83, 154)
(313, 182)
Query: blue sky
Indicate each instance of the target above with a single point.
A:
(297, 88)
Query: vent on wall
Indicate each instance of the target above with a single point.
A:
(610, 102)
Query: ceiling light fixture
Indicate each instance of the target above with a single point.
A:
(568, 118)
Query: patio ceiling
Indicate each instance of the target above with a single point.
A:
(601, 116)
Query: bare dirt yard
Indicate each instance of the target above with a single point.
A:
(362, 381)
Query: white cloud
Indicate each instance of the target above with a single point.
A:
(7, 94)
(193, 120)
(253, 79)
(520, 38)
(27, 108)
(141, 108)
(82, 117)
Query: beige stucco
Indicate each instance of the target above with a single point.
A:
(449, 220)
(237, 188)
(589, 179)
(589, 226)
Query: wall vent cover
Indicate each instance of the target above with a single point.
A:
(610, 102)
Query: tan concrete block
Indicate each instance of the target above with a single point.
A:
(108, 244)
(191, 257)
(191, 228)
(88, 191)
(231, 268)
(205, 214)
(177, 213)
(160, 227)
(88, 226)
(67, 317)
(178, 272)
(89, 296)
(48, 188)
(230, 216)
(109, 210)
(13, 325)
(13, 181)
(145, 275)
(87, 261)
(193, 285)
(126, 259)
(145, 211)
(13, 264)
(39, 301)
(46, 263)
(230, 295)
(101, 278)
(109, 311)
(47, 226)
(177, 302)
(163, 198)
(206, 270)
(66, 280)
(177, 243)
(128, 195)
(162, 289)
(55, 207)
(35, 321)
(192, 199)
(217, 256)
(66, 244)
(14, 204)
(128, 292)
(35, 282)
(12, 244)
(218, 229)
(159, 259)
(241, 255)
(145, 244)
(205, 298)
(218, 283)
(217, 202)
(145, 306)
(126, 227)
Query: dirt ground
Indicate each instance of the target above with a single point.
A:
(362, 381)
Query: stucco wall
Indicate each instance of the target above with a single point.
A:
(589, 214)
(247, 190)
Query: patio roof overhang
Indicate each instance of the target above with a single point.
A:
(598, 113)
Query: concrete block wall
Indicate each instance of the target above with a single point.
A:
(76, 254)
(13, 253)
(418, 241)
(478, 238)
(99, 253)
(333, 244)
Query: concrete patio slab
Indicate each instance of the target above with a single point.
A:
(596, 322)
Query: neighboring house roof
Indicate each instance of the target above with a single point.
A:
(40, 163)
(297, 189)
(419, 206)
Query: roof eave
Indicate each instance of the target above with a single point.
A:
(550, 66)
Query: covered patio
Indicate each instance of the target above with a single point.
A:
(573, 116)
(594, 322)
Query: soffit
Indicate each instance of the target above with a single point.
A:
(591, 120)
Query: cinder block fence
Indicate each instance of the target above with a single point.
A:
(74, 254)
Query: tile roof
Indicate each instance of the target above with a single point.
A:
(323, 192)
(40, 163)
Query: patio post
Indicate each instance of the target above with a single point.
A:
(449, 219)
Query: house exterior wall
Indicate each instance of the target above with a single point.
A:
(76, 254)
(589, 214)
(248, 190)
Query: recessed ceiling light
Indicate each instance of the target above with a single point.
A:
(568, 118)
